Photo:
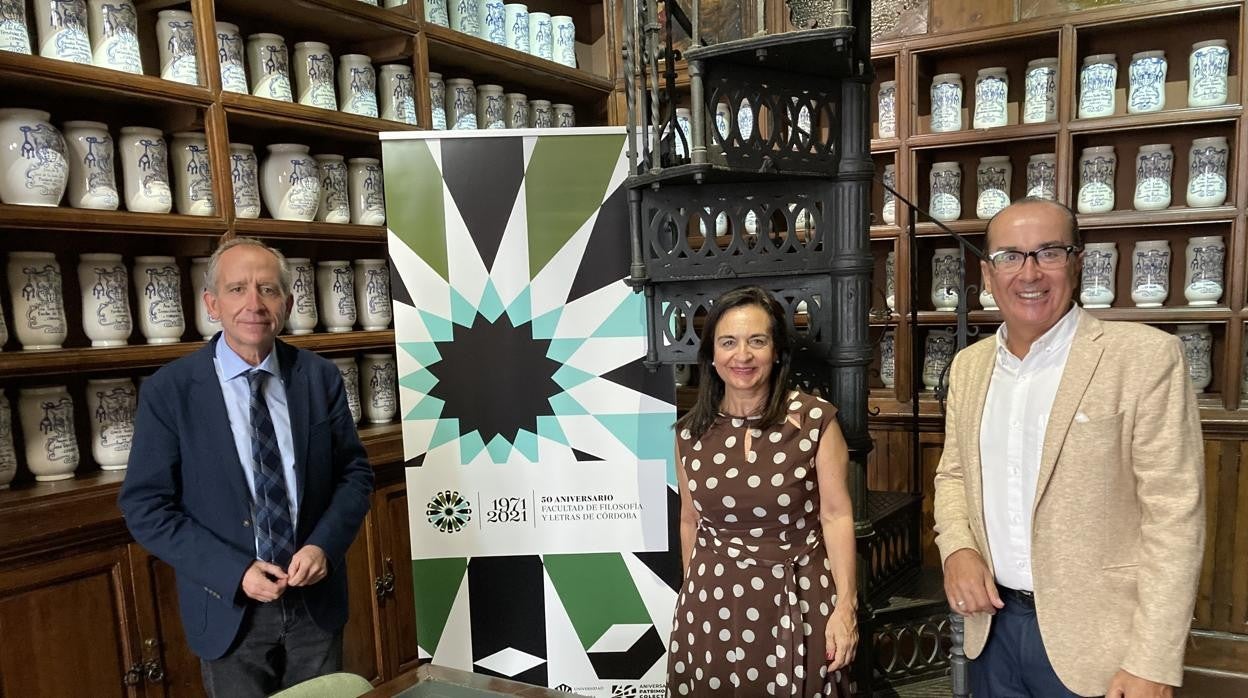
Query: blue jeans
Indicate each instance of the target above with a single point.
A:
(1014, 663)
(278, 646)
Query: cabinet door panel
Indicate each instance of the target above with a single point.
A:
(397, 554)
(160, 627)
(67, 628)
(361, 640)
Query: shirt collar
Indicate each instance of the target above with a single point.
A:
(233, 366)
(1058, 336)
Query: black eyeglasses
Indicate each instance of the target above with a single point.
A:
(1051, 257)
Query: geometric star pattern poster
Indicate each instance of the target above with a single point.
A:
(520, 351)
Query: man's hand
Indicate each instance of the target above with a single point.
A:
(264, 581)
(969, 585)
(1128, 685)
(308, 566)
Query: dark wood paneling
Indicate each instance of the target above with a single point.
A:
(400, 606)
(159, 626)
(956, 15)
(362, 645)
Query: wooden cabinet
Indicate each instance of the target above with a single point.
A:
(399, 603)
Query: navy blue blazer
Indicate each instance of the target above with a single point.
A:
(185, 498)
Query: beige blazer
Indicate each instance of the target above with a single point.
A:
(1119, 518)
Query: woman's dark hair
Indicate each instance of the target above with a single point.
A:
(711, 386)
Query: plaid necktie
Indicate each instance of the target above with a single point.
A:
(275, 535)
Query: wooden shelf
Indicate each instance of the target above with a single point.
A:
(78, 82)
(1166, 315)
(299, 230)
(460, 55)
(361, 340)
(304, 121)
(885, 231)
(1170, 216)
(881, 146)
(85, 220)
(1168, 117)
(963, 226)
(322, 20)
(981, 136)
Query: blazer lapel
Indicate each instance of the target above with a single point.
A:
(206, 391)
(980, 375)
(1084, 356)
(297, 391)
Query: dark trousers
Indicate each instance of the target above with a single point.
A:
(1014, 663)
(278, 646)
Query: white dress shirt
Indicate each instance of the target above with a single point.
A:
(1011, 440)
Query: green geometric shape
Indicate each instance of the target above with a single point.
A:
(428, 408)
(414, 201)
(597, 592)
(435, 584)
(566, 181)
(499, 449)
(526, 444)
(420, 381)
(562, 349)
(463, 311)
(627, 320)
(563, 404)
(470, 445)
(445, 432)
(440, 328)
(491, 306)
(425, 353)
(544, 326)
(548, 428)
(521, 309)
(568, 377)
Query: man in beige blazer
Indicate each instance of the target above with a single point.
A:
(1069, 498)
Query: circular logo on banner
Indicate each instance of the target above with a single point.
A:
(448, 512)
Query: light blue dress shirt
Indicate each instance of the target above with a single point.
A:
(232, 372)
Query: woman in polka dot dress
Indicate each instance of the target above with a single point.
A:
(767, 533)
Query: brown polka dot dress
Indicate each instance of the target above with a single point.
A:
(752, 613)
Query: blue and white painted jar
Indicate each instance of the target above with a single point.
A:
(104, 286)
(13, 34)
(351, 381)
(437, 100)
(890, 281)
(36, 290)
(1206, 270)
(564, 115)
(8, 455)
(564, 36)
(1207, 67)
(465, 16)
(115, 35)
(436, 13)
(945, 182)
(335, 206)
(516, 106)
(145, 170)
(158, 288)
(888, 212)
(1097, 166)
(491, 112)
(992, 87)
(268, 65)
(378, 377)
(1042, 175)
(357, 85)
(992, 181)
(888, 372)
(92, 176)
(1154, 170)
(541, 36)
(946, 103)
(516, 24)
(1097, 80)
(335, 287)
(192, 175)
(245, 178)
(492, 19)
(1147, 76)
(47, 416)
(540, 114)
(175, 34)
(314, 75)
(1100, 274)
(1150, 273)
(396, 100)
(230, 56)
(1040, 91)
(723, 120)
(364, 190)
(461, 98)
(938, 352)
(1197, 343)
(34, 164)
(290, 182)
(684, 126)
(1206, 172)
(111, 404)
(372, 294)
(887, 106)
(946, 271)
(303, 316)
(62, 29)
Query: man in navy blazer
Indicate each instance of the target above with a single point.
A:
(194, 488)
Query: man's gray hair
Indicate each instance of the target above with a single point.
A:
(284, 275)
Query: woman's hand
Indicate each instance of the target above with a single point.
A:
(841, 637)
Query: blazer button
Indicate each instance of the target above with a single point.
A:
(246, 523)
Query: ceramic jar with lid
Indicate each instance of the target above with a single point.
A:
(991, 98)
(1040, 91)
(946, 103)
(1097, 80)
(1097, 166)
(1207, 70)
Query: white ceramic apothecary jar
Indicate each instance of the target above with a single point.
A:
(945, 182)
(395, 95)
(1097, 166)
(268, 66)
(378, 377)
(1197, 343)
(888, 211)
(8, 455)
(1146, 91)
(461, 98)
(564, 115)
(1203, 281)
(175, 36)
(290, 183)
(1150, 273)
(145, 170)
(991, 98)
(684, 127)
(47, 416)
(516, 26)
(303, 315)
(1100, 274)
(1206, 73)
(115, 35)
(357, 85)
(205, 324)
(1040, 91)
(436, 13)
(92, 177)
(34, 167)
(36, 292)
(887, 106)
(372, 294)
(1206, 171)
(541, 36)
(1154, 169)
(437, 99)
(563, 33)
(364, 187)
(986, 299)
(14, 36)
(516, 109)
(938, 352)
(491, 18)
(314, 75)
(946, 103)
(192, 174)
(351, 381)
(540, 114)
(158, 286)
(245, 178)
(104, 286)
(1042, 175)
(992, 180)
(946, 268)
(62, 29)
(335, 285)
(465, 16)
(335, 205)
(1097, 80)
(111, 404)
(490, 108)
(230, 49)
(890, 281)
(888, 359)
